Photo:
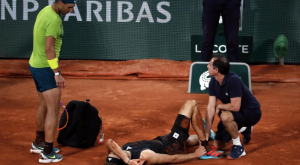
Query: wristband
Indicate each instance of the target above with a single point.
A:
(53, 63)
(128, 161)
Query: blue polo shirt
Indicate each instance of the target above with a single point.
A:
(232, 86)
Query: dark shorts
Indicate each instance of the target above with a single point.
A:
(43, 78)
(243, 118)
(136, 148)
(175, 142)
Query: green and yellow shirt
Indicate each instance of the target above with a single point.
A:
(48, 23)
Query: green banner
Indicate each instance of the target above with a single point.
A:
(109, 30)
(134, 29)
(199, 78)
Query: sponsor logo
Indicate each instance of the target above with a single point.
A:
(52, 157)
(223, 49)
(176, 135)
(96, 11)
(220, 20)
(128, 148)
(41, 148)
(204, 80)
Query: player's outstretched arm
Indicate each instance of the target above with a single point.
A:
(113, 147)
(210, 114)
(151, 157)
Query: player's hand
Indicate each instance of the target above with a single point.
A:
(136, 162)
(200, 151)
(207, 135)
(60, 81)
(218, 111)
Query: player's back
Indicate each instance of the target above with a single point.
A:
(248, 99)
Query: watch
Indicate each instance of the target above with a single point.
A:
(58, 73)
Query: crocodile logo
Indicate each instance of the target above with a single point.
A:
(204, 80)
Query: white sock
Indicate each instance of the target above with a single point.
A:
(237, 141)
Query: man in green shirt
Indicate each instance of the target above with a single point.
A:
(43, 65)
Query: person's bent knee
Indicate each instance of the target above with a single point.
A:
(226, 116)
(109, 141)
(191, 103)
(187, 108)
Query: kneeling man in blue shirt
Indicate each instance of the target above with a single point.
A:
(239, 108)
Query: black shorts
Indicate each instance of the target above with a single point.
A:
(136, 148)
(43, 78)
(175, 142)
(243, 118)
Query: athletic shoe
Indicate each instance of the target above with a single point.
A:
(213, 153)
(38, 149)
(48, 158)
(237, 151)
(212, 136)
(247, 135)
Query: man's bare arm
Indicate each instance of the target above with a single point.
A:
(51, 54)
(234, 106)
(151, 157)
(50, 50)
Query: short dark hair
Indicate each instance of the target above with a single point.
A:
(222, 63)
(66, 1)
(56, 1)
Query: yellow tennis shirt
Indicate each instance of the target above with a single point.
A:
(48, 23)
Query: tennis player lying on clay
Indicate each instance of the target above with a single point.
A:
(167, 148)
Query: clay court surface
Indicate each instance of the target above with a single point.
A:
(141, 109)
